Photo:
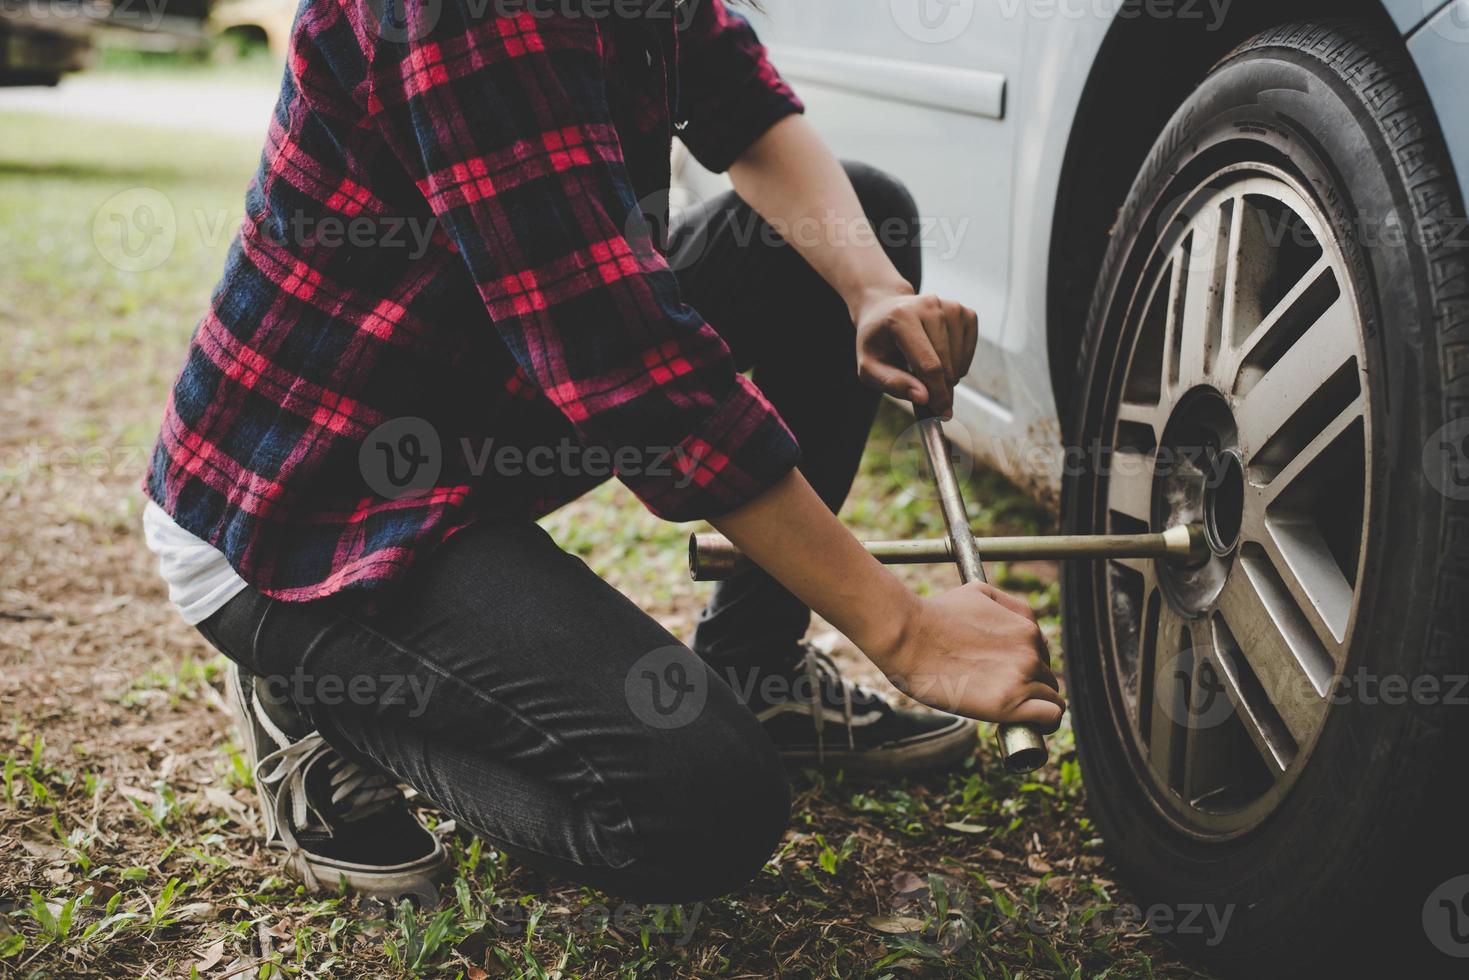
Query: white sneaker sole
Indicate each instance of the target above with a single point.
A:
(415, 879)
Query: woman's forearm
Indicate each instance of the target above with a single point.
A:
(795, 183)
(975, 651)
(790, 532)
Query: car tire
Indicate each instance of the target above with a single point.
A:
(1273, 799)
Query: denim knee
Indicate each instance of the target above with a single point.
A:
(722, 816)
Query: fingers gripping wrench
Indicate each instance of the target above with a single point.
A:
(1021, 747)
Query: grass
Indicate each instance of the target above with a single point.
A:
(129, 843)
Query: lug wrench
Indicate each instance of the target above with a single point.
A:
(713, 557)
(1022, 749)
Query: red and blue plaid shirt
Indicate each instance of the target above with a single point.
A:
(444, 275)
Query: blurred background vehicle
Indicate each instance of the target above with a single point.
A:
(241, 25)
(37, 47)
(43, 40)
(1218, 252)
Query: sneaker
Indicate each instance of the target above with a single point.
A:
(851, 728)
(340, 823)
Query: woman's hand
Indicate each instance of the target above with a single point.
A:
(914, 347)
(977, 652)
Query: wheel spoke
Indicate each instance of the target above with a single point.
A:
(1130, 485)
(1208, 766)
(1169, 685)
(1252, 705)
(1285, 477)
(1279, 318)
(1278, 645)
(1138, 413)
(1143, 566)
(1302, 371)
(1198, 311)
(1301, 557)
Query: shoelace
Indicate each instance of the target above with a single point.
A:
(357, 792)
(819, 668)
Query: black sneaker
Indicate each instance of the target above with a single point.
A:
(340, 823)
(850, 728)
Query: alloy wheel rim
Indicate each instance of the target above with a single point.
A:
(1244, 405)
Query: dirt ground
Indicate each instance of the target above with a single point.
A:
(129, 844)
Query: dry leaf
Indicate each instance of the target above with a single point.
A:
(894, 925)
(905, 882)
(46, 852)
(209, 957)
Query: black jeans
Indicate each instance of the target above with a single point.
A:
(540, 707)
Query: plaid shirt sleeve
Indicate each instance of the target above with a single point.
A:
(505, 125)
(730, 93)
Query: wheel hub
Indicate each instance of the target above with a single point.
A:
(1200, 480)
